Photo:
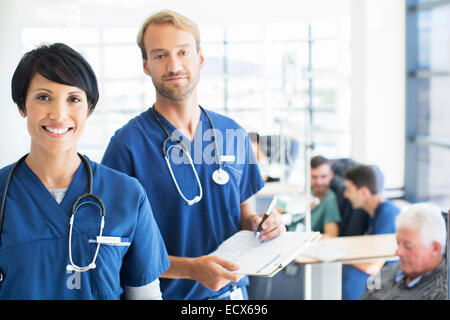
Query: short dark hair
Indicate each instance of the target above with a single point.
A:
(317, 161)
(59, 63)
(365, 176)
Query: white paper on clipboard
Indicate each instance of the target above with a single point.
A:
(264, 258)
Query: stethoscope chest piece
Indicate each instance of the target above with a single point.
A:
(220, 176)
(89, 196)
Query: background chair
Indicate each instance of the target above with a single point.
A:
(354, 222)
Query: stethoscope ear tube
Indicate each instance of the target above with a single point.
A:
(5, 191)
(77, 204)
(72, 266)
(196, 198)
(75, 207)
(219, 176)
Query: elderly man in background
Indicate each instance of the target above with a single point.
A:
(421, 272)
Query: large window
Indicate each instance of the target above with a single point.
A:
(428, 101)
(266, 76)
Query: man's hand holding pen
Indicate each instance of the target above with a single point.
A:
(268, 224)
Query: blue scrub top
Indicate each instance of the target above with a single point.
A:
(35, 238)
(189, 231)
(384, 218)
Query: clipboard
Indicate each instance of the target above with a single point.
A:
(264, 258)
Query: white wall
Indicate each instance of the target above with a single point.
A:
(13, 134)
(378, 86)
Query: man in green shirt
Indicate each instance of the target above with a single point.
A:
(325, 216)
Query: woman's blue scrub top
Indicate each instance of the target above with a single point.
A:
(189, 231)
(35, 238)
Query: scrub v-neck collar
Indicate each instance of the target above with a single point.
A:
(77, 186)
(171, 128)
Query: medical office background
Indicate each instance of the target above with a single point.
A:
(370, 79)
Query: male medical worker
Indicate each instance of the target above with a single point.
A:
(67, 231)
(197, 166)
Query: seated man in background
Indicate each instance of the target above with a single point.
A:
(421, 272)
(354, 222)
(325, 216)
(363, 187)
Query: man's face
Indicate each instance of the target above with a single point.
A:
(172, 61)
(320, 180)
(414, 256)
(353, 194)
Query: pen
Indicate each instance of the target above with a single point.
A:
(266, 215)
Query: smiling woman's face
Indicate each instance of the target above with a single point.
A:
(56, 115)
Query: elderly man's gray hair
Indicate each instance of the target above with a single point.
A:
(428, 219)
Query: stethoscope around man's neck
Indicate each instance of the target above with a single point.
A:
(219, 176)
(76, 205)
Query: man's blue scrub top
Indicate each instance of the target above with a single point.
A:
(354, 280)
(35, 238)
(189, 231)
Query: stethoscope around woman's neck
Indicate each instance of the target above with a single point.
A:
(219, 175)
(76, 205)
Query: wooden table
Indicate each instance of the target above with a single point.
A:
(369, 247)
(326, 278)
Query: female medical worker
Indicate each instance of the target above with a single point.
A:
(71, 228)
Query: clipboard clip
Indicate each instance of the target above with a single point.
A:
(270, 263)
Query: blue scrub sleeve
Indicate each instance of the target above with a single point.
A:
(147, 256)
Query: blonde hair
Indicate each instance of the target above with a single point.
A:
(168, 17)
